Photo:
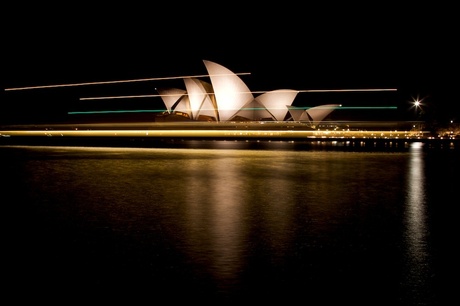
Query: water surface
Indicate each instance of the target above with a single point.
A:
(229, 225)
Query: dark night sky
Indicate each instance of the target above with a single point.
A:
(285, 47)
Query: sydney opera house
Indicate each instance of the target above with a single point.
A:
(227, 99)
(221, 108)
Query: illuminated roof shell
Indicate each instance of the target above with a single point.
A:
(200, 95)
(275, 102)
(230, 91)
(227, 97)
(171, 97)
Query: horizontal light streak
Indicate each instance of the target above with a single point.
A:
(349, 90)
(189, 133)
(130, 97)
(369, 107)
(185, 124)
(242, 109)
(118, 111)
(243, 92)
(121, 81)
(352, 107)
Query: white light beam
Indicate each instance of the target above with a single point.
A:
(254, 92)
(120, 81)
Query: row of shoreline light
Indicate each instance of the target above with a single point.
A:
(218, 134)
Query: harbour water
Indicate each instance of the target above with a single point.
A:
(227, 224)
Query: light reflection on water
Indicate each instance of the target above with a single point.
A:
(417, 275)
(227, 223)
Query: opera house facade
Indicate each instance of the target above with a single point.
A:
(228, 99)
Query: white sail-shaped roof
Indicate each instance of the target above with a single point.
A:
(228, 98)
(183, 106)
(297, 112)
(209, 106)
(200, 100)
(312, 115)
(230, 91)
(275, 102)
(318, 113)
(253, 110)
(171, 96)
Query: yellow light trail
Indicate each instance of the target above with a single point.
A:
(243, 92)
(121, 81)
(217, 134)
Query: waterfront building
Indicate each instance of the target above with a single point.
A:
(227, 98)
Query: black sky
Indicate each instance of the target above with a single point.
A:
(283, 47)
